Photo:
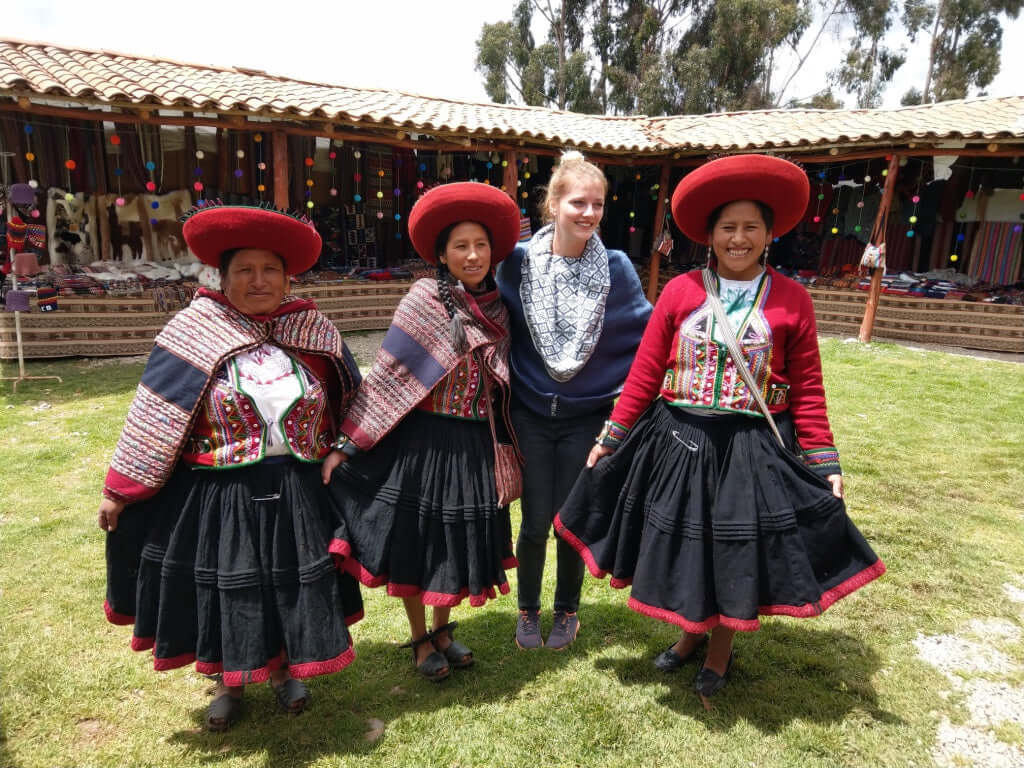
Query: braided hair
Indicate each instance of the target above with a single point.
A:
(455, 327)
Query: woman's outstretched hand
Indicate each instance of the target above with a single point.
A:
(597, 452)
(837, 485)
(333, 461)
(109, 512)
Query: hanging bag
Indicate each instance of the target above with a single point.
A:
(508, 470)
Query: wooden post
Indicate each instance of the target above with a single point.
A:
(281, 169)
(878, 238)
(510, 176)
(659, 225)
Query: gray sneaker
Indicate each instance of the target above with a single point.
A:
(567, 626)
(528, 631)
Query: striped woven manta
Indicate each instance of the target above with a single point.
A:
(417, 353)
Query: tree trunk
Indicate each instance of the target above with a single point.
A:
(931, 53)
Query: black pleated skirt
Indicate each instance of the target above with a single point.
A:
(419, 513)
(710, 521)
(230, 569)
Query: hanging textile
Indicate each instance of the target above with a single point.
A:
(996, 253)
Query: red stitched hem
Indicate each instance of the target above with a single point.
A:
(444, 599)
(314, 668)
(162, 665)
(742, 625)
(807, 610)
(835, 594)
(582, 549)
(509, 562)
(116, 618)
(142, 643)
(343, 560)
(354, 618)
(241, 677)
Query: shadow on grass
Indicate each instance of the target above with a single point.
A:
(787, 671)
(380, 684)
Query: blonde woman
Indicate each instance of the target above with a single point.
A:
(577, 313)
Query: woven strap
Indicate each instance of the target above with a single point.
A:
(740, 360)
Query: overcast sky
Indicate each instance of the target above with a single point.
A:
(417, 46)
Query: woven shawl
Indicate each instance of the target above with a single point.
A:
(186, 356)
(417, 353)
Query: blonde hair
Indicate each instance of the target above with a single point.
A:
(571, 167)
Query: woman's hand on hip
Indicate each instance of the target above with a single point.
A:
(109, 512)
(596, 453)
(333, 461)
(837, 485)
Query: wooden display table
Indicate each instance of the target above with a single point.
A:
(970, 324)
(86, 326)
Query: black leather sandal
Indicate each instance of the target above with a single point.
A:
(223, 712)
(458, 655)
(435, 667)
(292, 695)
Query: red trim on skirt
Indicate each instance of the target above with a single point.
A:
(116, 618)
(837, 592)
(342, 552)
(584, 553)
(314, 668)
(238, 677)
(443, 599)
(142, 643)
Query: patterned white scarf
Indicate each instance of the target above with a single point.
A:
(564, 301)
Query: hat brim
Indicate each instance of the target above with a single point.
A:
(211, 231)
(777, 183)
(464, 201)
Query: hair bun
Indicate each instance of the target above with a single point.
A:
(572, 155)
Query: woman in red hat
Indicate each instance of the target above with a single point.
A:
(217, 526)
(427, 439)
(712, 511)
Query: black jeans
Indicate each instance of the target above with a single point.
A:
(555, 450)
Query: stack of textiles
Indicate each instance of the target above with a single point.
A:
(72, 281)
(171, 297)
(113, 280)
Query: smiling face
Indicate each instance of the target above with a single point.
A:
(576, 214)
(738, 238)
(468, 253)
(255, 281)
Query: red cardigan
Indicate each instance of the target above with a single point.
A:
(678, 361)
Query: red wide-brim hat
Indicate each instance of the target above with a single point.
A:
(777, 183)
(464, 201)
(214, 228)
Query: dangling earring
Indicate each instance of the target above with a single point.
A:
(707, 261)
(764, 256)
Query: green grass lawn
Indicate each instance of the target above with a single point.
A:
(933, 449)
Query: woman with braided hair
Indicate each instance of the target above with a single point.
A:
(415, 474)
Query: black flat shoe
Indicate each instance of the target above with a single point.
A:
(669, 661)
(709, 682)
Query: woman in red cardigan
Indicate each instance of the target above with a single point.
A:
(698, 507)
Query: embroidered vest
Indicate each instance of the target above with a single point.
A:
(229, 431)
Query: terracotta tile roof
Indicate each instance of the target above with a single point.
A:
(127, 80)
(979, 119)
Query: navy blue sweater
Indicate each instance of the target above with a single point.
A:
(599, 382)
